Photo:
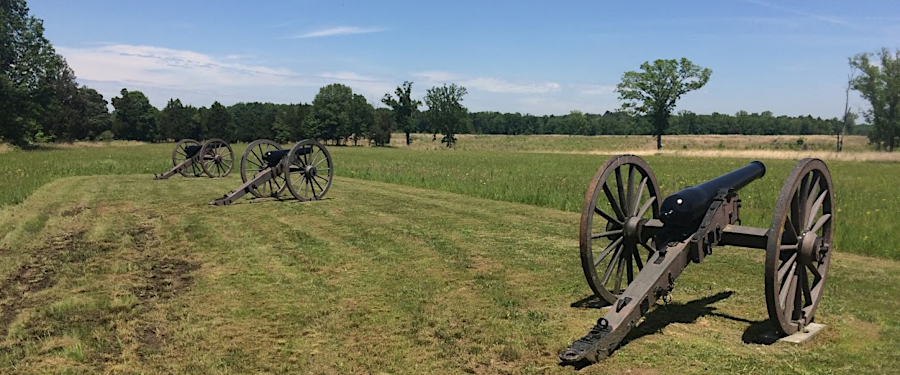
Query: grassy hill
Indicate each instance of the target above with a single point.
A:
(121, 274)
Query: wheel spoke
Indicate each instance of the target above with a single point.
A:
(629, 193)
(821, 222)
(801, 204)
(646, 207)
(789, 264)
(815, 208)
(621, 190)
(637, 198)
(606, 251)
(815, 272)
(789, 229)
(609, 267)
(619, 265)
(637, 257)
(787, 283)
(612, 203)
(606, 234)
(629, 265)
(607, 216)
(317, 184)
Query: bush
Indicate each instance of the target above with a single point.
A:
(106, 136)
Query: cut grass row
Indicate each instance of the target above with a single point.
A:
(118, 274)
(865, 192)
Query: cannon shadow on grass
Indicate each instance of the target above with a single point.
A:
(758, 332)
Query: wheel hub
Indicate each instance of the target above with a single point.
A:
(632, 229)
(311, 170)
(811, 248)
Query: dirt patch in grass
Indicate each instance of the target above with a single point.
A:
(17, 289)
(141, 235)
(165, 278)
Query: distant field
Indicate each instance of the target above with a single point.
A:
(671, 143)
(124, 275)
(865, 190)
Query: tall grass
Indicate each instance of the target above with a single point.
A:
(865, 191)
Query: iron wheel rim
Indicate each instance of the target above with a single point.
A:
(179, 155)
(626, 252)
(302, 186)
(799, 251)
(216, 158)
(253, 162)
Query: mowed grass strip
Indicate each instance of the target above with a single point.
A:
(865, 191)
(118, 274)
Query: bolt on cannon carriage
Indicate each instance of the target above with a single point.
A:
(634, 244)
(214, 158)
(267, 171)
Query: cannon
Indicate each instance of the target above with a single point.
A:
(635, 244)
(213, 158)
(267, 170)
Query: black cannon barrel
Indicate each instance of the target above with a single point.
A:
(688, 206)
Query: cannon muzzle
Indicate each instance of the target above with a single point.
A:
(688, 206)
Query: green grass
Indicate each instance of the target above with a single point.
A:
(128, 275)
(864, 190)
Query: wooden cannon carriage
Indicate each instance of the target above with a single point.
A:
(634, 244)
(214, 158)
(267, 171)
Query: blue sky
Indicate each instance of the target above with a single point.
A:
(537, 57)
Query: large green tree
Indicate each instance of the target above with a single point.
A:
(177, 121)
(879, 83)
(29, 68)
(330, 117)
(134, 118)
(446, 112)
(380, 131)
(362, 117)
(654, 89)
(404, 107)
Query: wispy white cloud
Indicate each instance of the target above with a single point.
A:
(818, 17)
(172, 71)
(338, 31)
(590, 89)
(489, 84)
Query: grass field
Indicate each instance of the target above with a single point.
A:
(419, 261)
(118, 274)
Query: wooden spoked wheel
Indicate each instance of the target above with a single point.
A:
(216, 158)
(253, 161)
(800, 246)
(309, 170)
(622, 196)
(183, 152)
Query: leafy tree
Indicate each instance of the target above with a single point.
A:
(362, 117)
(218, 123)
(879, 83)
(404, 108)
(654, 90)
(288, 126)
(96, 113)
(330, 117)
(177, 121)
(380, 131)
(134, 118)
(446, 112)
(28, 64)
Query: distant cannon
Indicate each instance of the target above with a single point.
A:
(267, 171)
(634, 245)
(214, 158)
